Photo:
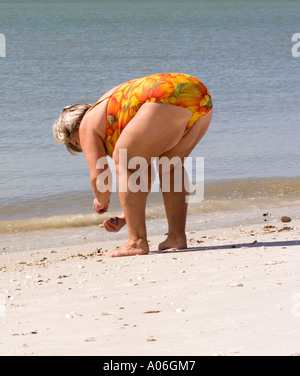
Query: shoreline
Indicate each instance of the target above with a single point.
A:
(74, 209)
(32, 240)
(234, 291)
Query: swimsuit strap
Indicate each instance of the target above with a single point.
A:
(96, 104)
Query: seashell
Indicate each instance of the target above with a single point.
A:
(114, 220)
(236, 284)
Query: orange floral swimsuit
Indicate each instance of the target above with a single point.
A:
(169, 88)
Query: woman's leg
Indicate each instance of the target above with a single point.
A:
(154, 130)
(176, 209)
(134, 209)
(176, 202)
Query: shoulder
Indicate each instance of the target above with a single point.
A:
(109, 93)
(94, 122)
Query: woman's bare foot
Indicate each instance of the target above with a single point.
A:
(131, 248)
(178, 242)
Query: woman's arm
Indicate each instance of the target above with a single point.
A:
(95, 153)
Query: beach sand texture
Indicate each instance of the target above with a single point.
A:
(235, 291)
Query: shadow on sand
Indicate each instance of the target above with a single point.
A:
(232, 246)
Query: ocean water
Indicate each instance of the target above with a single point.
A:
(68, 52)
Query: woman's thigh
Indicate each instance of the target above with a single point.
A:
(155, 129)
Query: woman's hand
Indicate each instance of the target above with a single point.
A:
(114, 224)
(100, 209)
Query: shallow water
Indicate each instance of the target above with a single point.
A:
(222, 197)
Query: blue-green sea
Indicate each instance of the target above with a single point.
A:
(60, 53)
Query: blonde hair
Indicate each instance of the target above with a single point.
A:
(68, 123)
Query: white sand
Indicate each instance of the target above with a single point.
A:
(223, 296)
